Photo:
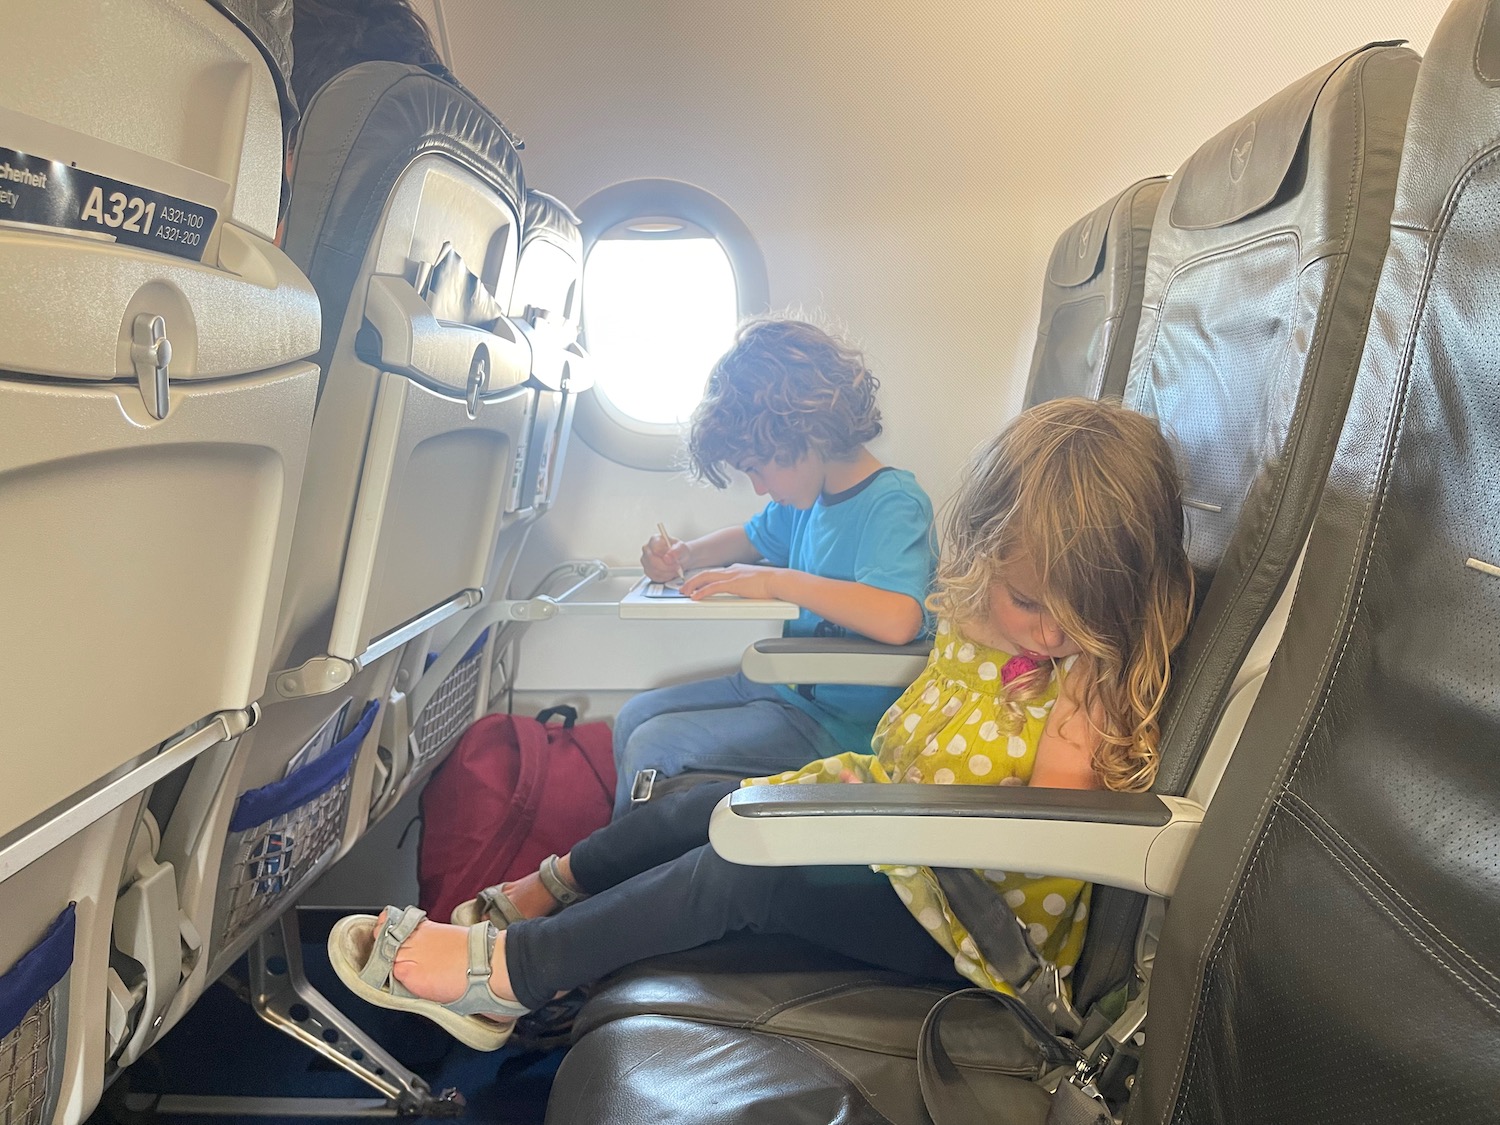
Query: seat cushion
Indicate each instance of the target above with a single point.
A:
(760, 1029)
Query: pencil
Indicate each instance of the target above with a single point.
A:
(662, 528)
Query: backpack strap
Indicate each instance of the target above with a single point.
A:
(531, 782)
(588, 743)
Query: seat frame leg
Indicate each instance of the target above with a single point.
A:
(280, 993)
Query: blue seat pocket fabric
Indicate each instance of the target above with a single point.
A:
(43, 967)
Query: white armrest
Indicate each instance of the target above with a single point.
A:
(1138, 841)
(818, 660)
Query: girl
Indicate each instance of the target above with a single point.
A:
(1063, 590)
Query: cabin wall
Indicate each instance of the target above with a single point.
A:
(905, 168)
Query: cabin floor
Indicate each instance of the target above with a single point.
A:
(222, 1048)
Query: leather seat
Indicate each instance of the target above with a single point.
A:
(1091, 299)
(1331, 955)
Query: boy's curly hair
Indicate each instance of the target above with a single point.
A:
(784, 388)
(1089, 492)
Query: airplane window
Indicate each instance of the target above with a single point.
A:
(662, 307)
(670, 271)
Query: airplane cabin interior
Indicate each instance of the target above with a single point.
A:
(337, 402)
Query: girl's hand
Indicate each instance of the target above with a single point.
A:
(741, 579)
(664, 560)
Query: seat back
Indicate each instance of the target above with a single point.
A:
(447, 689)
(1091, 299)
(1264, 258)
(549, 298)
(405, 211)
(155, 395)
(155, 408)
(1332, 954)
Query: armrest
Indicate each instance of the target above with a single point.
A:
(1138, 841)
(819, 660)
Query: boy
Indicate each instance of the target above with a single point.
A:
(848, 539)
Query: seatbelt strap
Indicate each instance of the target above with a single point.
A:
(991, 923)
(948, 1097)
(1005, 944)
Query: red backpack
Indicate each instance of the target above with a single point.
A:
(513, 792)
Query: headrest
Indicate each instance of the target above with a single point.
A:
(1079, 254)
(359, 133)
(1487, 50)
(269, 24)
(550, 218)
(1241, 170)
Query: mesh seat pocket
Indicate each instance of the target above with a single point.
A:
(33, 1024)
(451, 708)
(283, 832)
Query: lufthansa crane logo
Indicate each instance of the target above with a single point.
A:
(1085, 233)
(1239, 156)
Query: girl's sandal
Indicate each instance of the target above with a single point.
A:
(559, 888)
(494, 904)
(364, 958)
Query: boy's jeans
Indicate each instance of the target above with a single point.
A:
(728, 724)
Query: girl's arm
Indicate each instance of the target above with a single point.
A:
(881, 615)
(661, 559)
(1065, 754)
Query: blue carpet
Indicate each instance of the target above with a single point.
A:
(222, 1048)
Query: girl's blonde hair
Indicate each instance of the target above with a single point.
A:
(1089, 492)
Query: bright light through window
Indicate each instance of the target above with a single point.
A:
(659, 312)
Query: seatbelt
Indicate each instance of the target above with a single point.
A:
(950, 1101)
(1005, 943)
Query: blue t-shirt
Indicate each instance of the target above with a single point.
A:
(878, 533)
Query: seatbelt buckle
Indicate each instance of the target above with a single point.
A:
(641, 786)
(1044, 995)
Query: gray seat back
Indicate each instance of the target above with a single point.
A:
(549, 297)
(1264, 259)
(1332, 954)
(405, 212)
(449, 687)
(1091, 299)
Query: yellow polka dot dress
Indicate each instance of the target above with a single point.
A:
(953, 726)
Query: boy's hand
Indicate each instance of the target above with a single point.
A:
(664, 560)
(742, 579)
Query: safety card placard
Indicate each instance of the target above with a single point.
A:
(51, 194)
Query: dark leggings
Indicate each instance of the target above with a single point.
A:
(659, 888)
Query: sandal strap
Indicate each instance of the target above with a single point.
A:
(400, 923)
(564, 892)
(497, 904)
(478, 999)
